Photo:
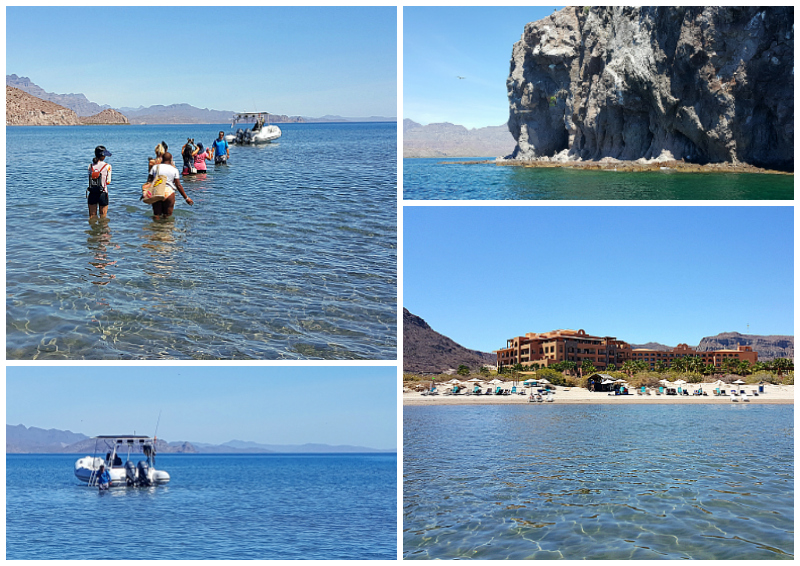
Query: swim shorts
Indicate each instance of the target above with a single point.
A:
(101, 199)
(221, 160)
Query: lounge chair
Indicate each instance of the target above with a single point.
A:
(741, 392)
(660, 391)
(722, 392)
(648, 392)
(498, 391)
(754, 393)
(745, 398)
(488, 391)
(522, 392)
(514, 390)
(734, 398)
(476, 390)
(716, 392)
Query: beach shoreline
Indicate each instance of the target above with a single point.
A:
(773, 395)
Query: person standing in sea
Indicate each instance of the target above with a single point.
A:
(99, 179)
(172, 178)
(220, 146)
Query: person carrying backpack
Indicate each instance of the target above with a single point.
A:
(169, 175)
(99, 179)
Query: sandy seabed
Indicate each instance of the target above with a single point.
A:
(774, 394)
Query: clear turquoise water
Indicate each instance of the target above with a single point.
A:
(439, 179)
(598, 482)
(288, 253)
(215, 507)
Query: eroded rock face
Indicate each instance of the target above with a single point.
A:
(704, 84)
(22, 109)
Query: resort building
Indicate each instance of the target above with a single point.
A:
(547, 348)
(716, 357)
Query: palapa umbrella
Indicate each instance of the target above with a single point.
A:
(738, 382)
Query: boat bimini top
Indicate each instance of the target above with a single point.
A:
(122, 473)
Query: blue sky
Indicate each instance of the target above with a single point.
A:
(307, 61)
(481, 275)
(271, 405)
(442, 43)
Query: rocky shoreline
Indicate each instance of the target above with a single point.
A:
(628, 166)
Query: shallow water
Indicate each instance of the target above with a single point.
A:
(598, 482)
(215, 507)
(289, 252)
(436, 179)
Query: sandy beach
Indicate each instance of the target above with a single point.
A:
(773, 394)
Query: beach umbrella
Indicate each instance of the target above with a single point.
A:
(543, 381)
(454, 381)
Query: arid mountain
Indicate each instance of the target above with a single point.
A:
(22, 109)
(768, 347)
(450, 140)
(23, 440)
(107, 116)
(78, 103)
(425, 350)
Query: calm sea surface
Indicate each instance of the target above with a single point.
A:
(599, 482)
(289, 252)
(436, 179)
(215, 506)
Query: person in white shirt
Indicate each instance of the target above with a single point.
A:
(167, 170)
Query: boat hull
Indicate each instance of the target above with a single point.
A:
(85, 467)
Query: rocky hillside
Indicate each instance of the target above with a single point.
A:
(78, 103)
(22, 109)
(425, 350)
(768, 347)
(107, 116)
(450, 140)
(703, 84)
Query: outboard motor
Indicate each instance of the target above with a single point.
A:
(239, 135)
(248, 136)
(130, 473)
(144, 469)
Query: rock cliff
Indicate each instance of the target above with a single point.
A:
(107, 116)
(22, 109)
(704, 84)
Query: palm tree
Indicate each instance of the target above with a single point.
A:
(660, 366)
(744, 368)
(629, 367)
(587, 367)
(679, 364)
(695, 364)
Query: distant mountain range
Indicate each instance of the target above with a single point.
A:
(768, 347)
(23, 440)
(425, 350)
(160, 114)
(450, 140)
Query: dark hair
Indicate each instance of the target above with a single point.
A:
(94, 161)
(165, 145)
(166, 158)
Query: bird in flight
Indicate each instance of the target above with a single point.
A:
(462, 78)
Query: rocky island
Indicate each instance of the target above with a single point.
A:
(23, 109)
(687, 86)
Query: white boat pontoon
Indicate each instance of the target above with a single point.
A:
(261, 132)
(141, 474)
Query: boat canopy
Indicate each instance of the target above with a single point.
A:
(259, 117)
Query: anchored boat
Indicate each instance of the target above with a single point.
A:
(261, 132)
(140, 474)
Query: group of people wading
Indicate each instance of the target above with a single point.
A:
(194, 161)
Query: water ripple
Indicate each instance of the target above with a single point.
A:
(597, 482)
(288, 253)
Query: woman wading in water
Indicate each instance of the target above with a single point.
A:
(171, 177)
